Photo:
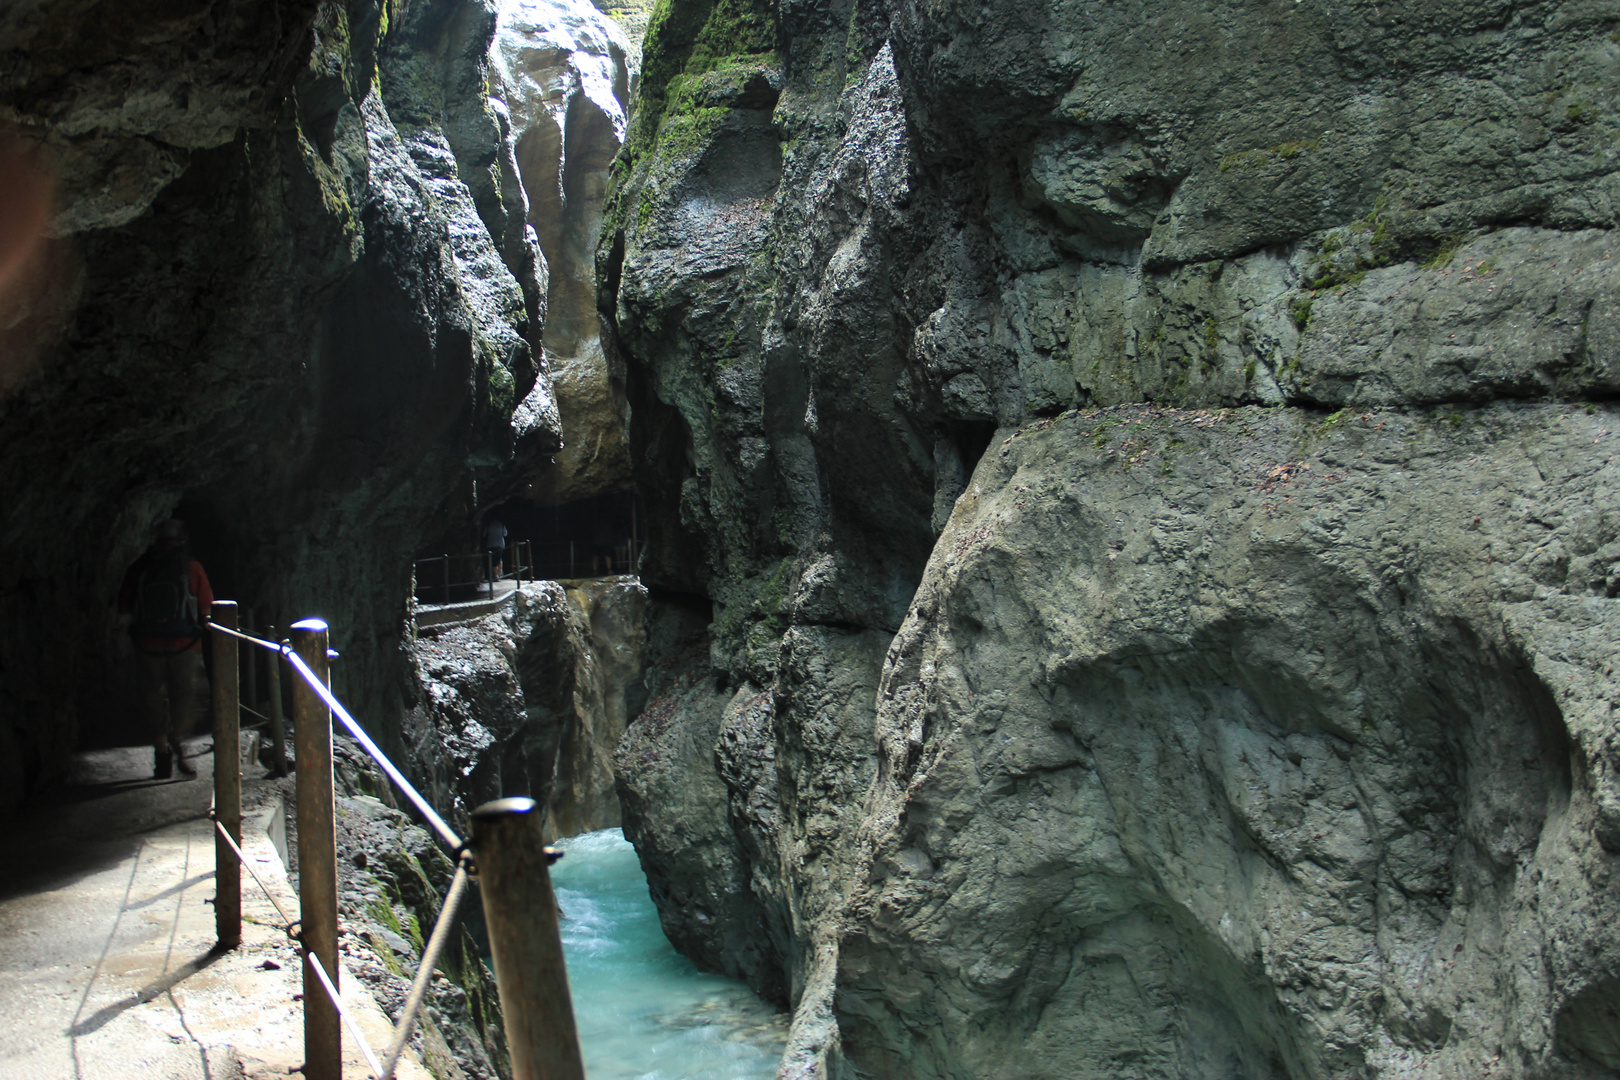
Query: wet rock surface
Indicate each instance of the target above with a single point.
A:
(310, 316)
(567, 74)
(851, 247)
(532, 701)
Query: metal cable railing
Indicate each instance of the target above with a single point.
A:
(524, 938)
(287, 921)
(291, 927)
(318, 685)
(442, 586)
(447, 911)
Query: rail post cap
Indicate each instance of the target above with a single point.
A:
(316, 625)
(499, 808)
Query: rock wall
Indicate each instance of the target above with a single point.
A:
(1242, 743)
(292, 296)
(1205, 747)
(568, 73)
(532, 700)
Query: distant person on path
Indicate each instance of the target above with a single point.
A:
(166, 597)
(495, 541)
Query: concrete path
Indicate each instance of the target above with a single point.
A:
(107, 931)
(466, 610)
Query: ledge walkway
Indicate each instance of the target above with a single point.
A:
(466, 610)
(106, 932)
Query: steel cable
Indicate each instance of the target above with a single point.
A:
(440, 826)
(424, 971)
(303, 950)
(348, 1018)
(263, 642)
(287, 922)
(431, 815)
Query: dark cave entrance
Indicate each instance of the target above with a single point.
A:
(592, 537)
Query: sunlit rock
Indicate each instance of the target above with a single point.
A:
(567, 74)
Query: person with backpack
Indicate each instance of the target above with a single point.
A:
(495, 542)
(166, 597)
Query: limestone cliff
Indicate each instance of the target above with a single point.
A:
(567, 74)
(289, 292)
(1206, 747)
(1244, 743)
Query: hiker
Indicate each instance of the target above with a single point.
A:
(495, 541)
(166, 598)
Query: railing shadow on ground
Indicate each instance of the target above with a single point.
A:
(150, 992)
(506, 855)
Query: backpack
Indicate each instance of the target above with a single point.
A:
(165, 606)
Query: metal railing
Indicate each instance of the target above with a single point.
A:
(594, 560)
(506, 855)
(443, 578)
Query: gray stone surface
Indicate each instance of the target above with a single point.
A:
(119, 120)
(1236, 743)
(850, 246)
(532, 700)
(676, 812)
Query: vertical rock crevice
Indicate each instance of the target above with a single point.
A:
(567, 72)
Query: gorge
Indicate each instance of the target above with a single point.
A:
(1128, 526)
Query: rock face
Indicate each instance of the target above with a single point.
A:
(532, 701)
(393, 878)
(1187, 760)
(1236, 743)
(298, 304)
(568, 72)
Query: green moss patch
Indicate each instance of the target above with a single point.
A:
(689, 38)
(1246, 160)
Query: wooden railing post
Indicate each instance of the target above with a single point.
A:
(227, 777)
(446, 599)
(524, 940)
(317, 855)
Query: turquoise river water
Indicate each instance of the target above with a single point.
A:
(644, 1012)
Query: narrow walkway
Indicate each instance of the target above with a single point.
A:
(107, 930)
(487, 604)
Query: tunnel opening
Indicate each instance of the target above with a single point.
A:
(597, 536)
